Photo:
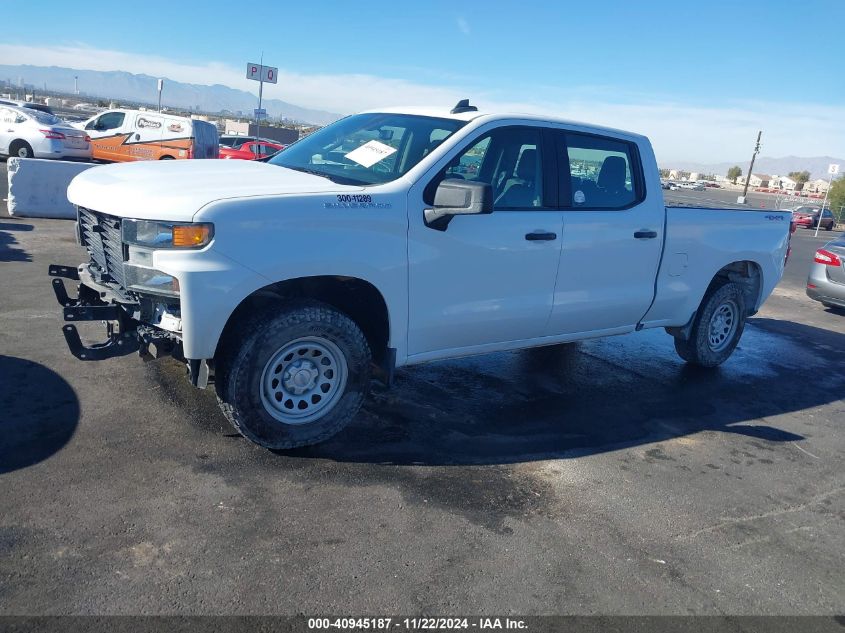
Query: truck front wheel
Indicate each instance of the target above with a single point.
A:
(717, 327)
(296, 376)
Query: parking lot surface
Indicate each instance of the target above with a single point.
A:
(603, 477)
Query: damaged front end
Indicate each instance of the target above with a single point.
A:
(128, 319)
(139, 306)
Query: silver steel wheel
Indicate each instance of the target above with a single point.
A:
(23, 152)
(722, 326)
(303, 380)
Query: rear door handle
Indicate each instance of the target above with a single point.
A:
(645, 235)
(540, 236)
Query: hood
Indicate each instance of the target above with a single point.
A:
(176, 189)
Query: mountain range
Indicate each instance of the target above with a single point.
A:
(816, 165)
(119, 85)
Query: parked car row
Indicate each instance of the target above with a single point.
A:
(674, 186)
(784, 192)
(120, 135)
(32, 133)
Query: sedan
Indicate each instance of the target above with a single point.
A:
(26, 133)
(808, 217)
(252, 150)
(826, 282)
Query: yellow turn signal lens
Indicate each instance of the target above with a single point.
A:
(191, 235)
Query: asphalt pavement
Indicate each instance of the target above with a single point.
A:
(602, 477)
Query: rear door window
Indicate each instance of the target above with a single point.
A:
(603, 173)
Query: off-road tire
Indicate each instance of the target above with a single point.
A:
(697, 349)
(244, 356)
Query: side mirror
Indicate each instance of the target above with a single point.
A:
(458, 197)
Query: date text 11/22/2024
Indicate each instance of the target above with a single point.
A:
(416, 624)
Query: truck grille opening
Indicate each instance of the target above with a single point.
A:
(100, 235)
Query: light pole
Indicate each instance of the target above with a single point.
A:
(751, 167)
(160, 87)
(76, 85)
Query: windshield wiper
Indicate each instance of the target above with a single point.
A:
(341, 180)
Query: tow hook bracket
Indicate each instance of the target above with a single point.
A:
(63, 271)
(117, 345)
(92, 313)
(122, 337)
(61, 293)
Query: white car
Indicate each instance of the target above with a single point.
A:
(398, 237)
(692, 186)
(27, 133)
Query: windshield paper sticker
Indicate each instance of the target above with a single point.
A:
(370, 153)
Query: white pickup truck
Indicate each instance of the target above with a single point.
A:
(397, 237)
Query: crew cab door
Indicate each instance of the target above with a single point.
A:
(612, 234)
(486, 279)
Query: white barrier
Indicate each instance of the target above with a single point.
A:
(38, 188)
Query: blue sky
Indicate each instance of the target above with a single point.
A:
(668, 69)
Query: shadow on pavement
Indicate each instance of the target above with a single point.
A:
(8, 252)
(39, 412)
(594, 397)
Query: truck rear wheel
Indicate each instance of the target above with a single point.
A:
(297, 375)
(717, 327)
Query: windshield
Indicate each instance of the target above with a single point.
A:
(367, 149)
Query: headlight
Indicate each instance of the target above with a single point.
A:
(166, 234)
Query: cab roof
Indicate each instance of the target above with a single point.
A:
(487, 115)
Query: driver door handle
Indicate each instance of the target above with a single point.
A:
(540, 236)
(645, 235)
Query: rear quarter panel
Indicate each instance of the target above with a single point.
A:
(700, 242)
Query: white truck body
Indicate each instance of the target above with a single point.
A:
(487, 282)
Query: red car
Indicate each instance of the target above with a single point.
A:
(251, 150)
(808, 217)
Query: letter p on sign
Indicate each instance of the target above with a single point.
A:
(253, 71)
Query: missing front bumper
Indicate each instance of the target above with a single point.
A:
(121, 330)
(124, 334)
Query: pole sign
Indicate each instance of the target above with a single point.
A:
(833, 169)
(260, 113)
(257, 72)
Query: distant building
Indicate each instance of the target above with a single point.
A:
(787, 183)
(756, 180)
(817, 186)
